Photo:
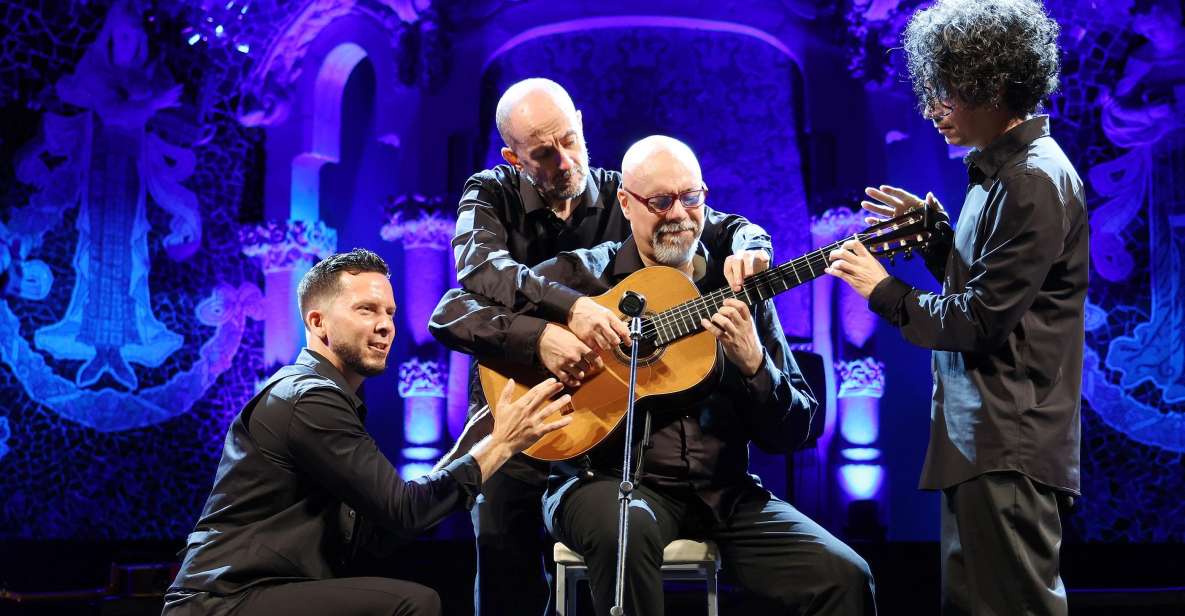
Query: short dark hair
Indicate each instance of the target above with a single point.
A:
(323, 280)
(985, 52)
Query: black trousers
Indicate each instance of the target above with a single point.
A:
(1001, 537)
(513, 549)
(770, 548)
(358, 596)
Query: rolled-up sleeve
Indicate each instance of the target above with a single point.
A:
(470, 323)
(731, 233)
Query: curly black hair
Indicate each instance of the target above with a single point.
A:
(323, 279)
(984, 52)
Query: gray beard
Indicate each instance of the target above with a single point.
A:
(551, 193)
(671, 251)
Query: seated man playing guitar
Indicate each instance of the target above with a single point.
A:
(693, 475)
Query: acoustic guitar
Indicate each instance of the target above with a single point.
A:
(676, 354)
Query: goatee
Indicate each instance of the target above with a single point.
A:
(351, 356)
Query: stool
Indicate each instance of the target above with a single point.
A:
(682, 559)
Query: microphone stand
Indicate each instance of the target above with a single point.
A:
(632, 304)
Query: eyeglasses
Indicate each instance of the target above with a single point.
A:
(660, 203)
(938, 109)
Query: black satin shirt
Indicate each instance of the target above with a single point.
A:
(1008, 327)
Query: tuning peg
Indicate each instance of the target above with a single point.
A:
(909, 253)
(892, 261)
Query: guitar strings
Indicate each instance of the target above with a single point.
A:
(678, 320)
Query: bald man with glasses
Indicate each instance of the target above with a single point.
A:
(695, 481)
(546, 199)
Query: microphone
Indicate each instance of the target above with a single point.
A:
(632, 304)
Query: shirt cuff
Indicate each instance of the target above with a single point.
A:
(886, 296)
(522, 339)
(557, 302)
(760, 386)
(754, 243)
(465, 471)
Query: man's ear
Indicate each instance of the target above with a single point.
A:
(314, 321)
(509, 156)
(580, 123)
(622, 198)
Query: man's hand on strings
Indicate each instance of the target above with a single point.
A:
(853, 264)
(733, 326)
(745, 263)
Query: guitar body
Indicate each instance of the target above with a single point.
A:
(599, 404)
(679, 356)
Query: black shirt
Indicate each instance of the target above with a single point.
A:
(302, 486)
(1007, 329)
(504, 227)
(702, 447)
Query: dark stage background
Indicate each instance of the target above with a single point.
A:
(203, 154)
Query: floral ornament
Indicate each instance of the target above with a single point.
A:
(861, 377)
(283, 246)
(418, 222)
(421, 379)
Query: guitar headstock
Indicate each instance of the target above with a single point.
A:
(903, 233)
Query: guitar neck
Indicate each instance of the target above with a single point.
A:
(684, 320)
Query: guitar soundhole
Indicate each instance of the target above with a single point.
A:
(648, 351)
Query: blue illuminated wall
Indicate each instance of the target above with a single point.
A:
(129, 316)
(114, 404)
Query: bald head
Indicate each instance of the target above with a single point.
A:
(660, 160)
(655, 166)
(544, 139)
(529, 103)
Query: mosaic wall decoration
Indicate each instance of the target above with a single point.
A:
(130, 168)
(128, 313)
(1120, 116)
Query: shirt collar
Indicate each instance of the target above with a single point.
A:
(991, 159)
(532, 200)
(323, 367)
(628, 260)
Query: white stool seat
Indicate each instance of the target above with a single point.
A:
(682, 559)
(677, 551)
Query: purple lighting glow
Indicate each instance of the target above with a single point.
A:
(860, 423)
(861, 481)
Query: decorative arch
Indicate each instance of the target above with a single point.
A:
(323, 126)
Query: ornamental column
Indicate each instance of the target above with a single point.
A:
(424, 227)
(851, 437)
(285, 250)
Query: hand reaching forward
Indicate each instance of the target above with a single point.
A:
(853, 264)
(520, 423)
(892, 202)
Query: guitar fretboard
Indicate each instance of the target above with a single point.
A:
(684, 320)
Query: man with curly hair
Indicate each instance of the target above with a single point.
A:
(1007, 330)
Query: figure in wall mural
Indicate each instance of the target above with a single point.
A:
(109, 323)
(107, 164)
(1145, 114)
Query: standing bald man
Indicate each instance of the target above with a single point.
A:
(544, 200)
(694, 481)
